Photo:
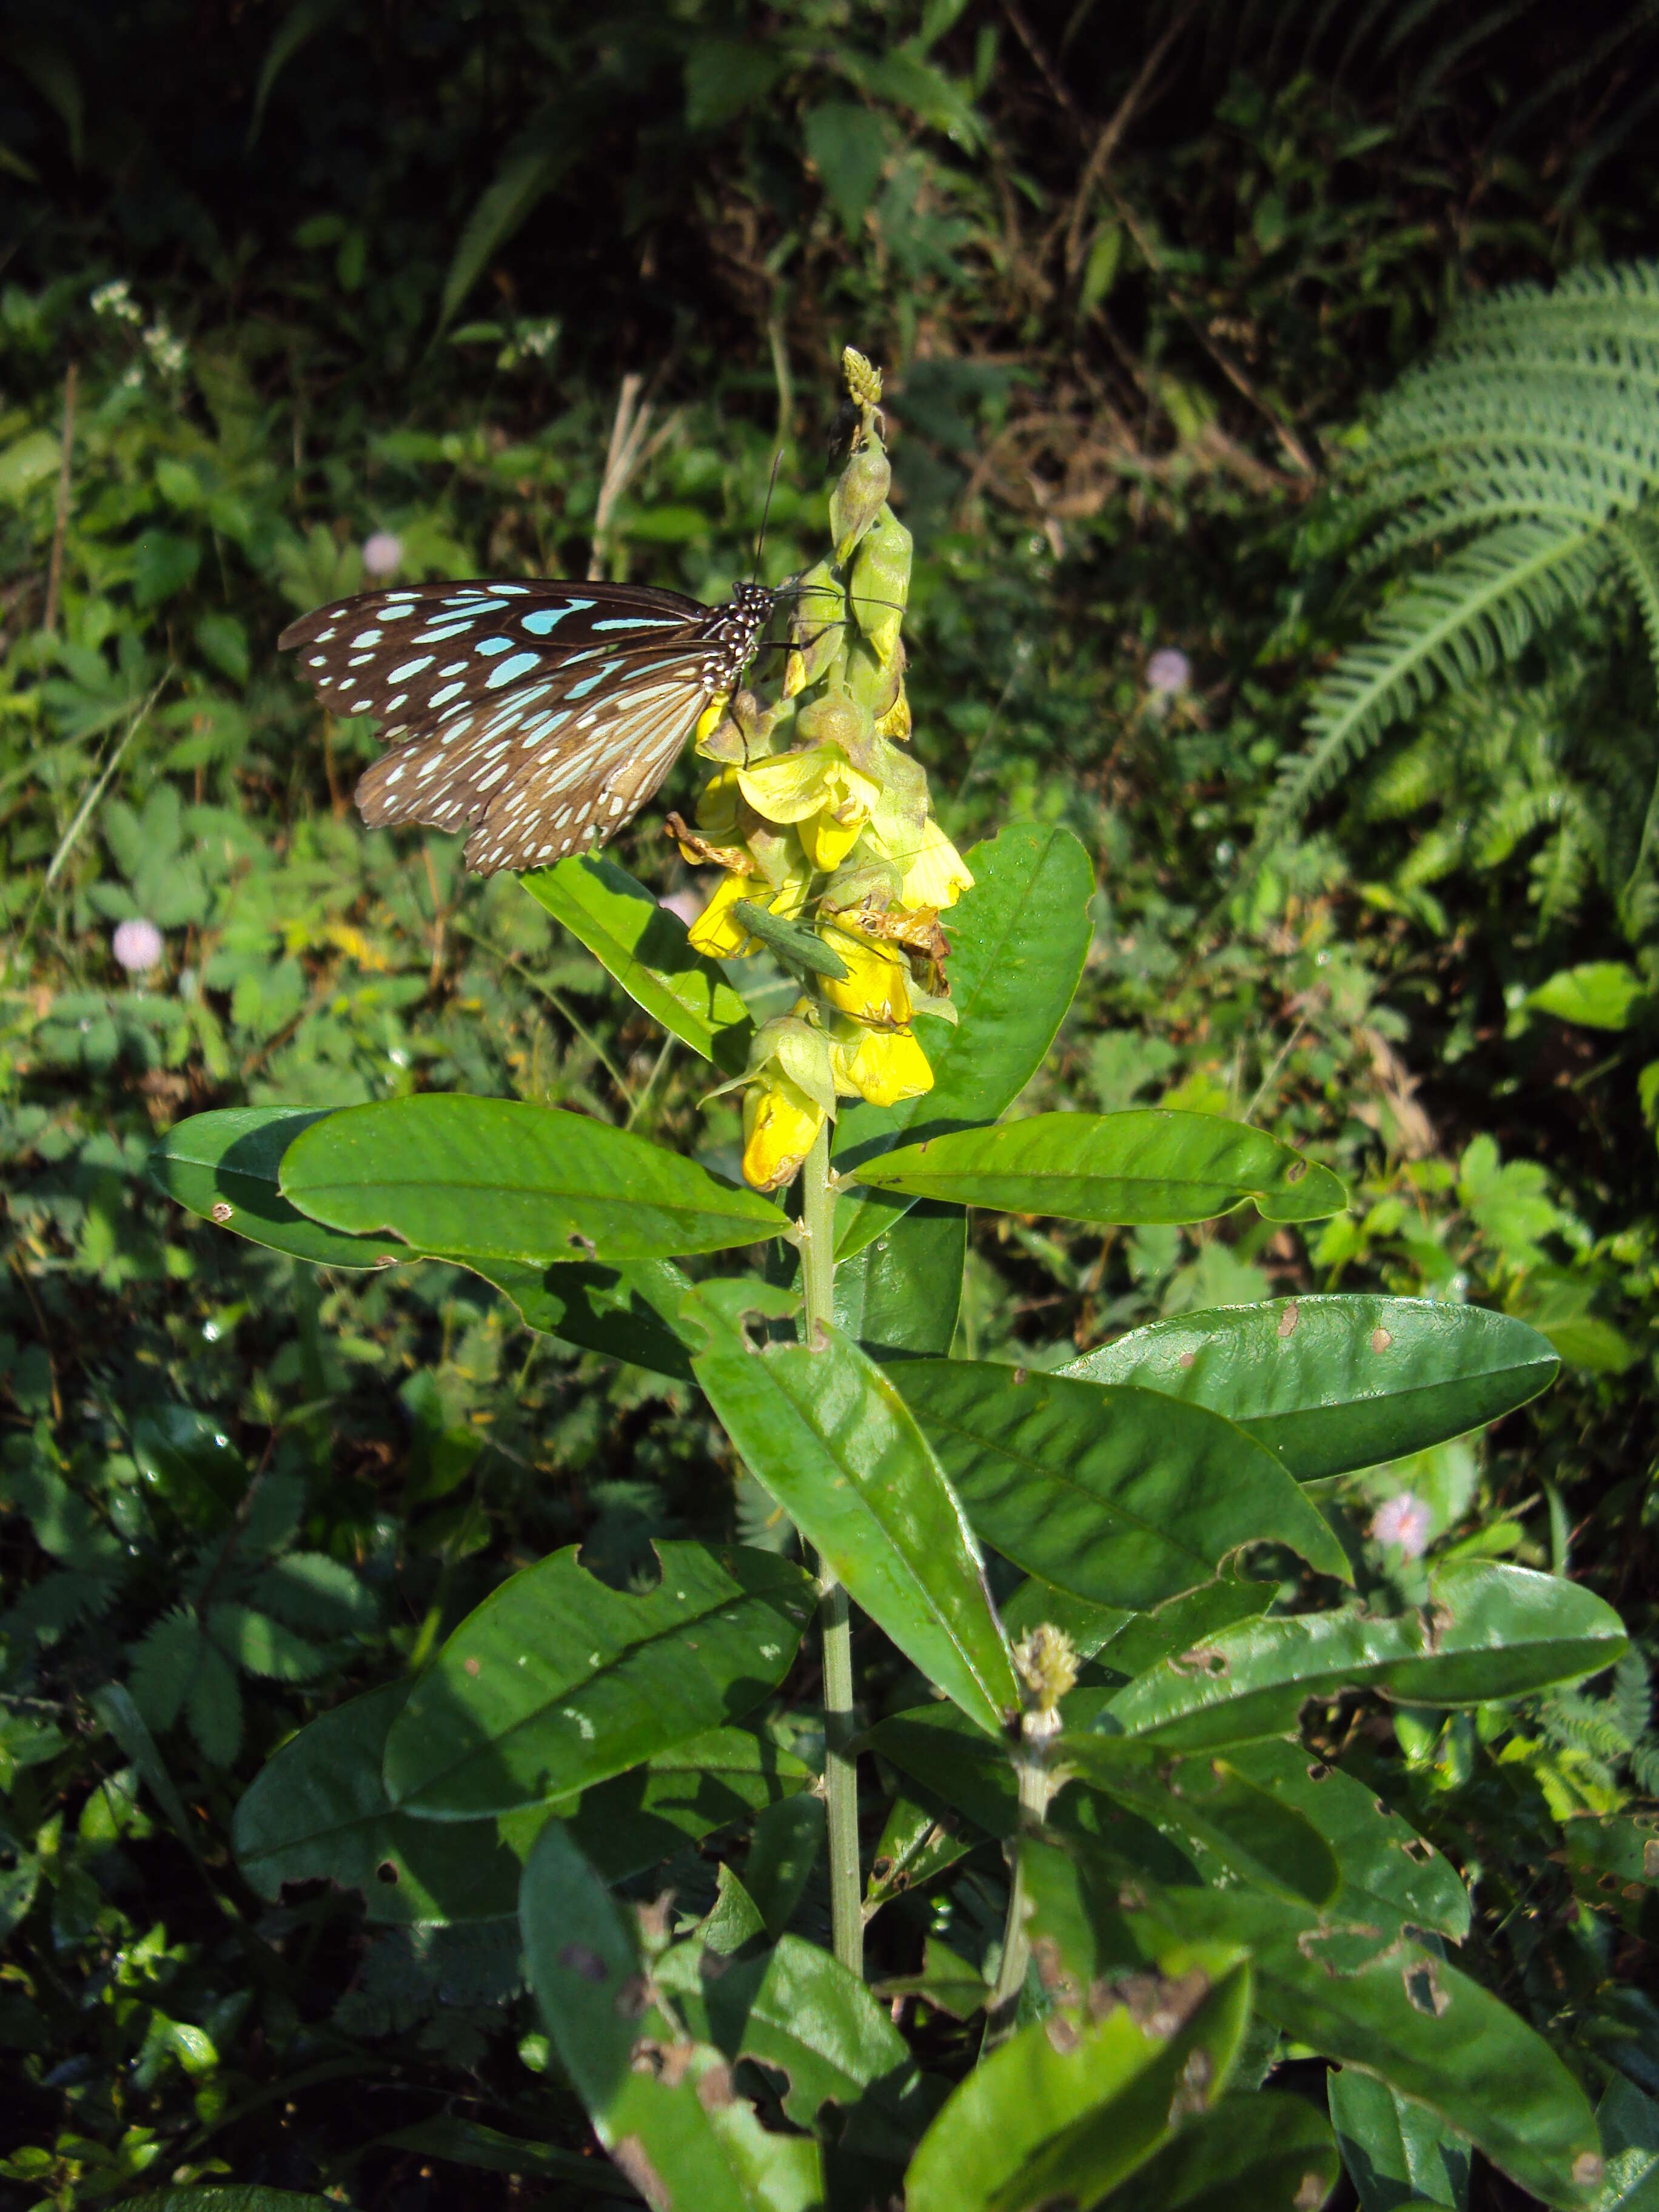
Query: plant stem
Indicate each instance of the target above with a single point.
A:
(841, 1777)
(1002, 2010)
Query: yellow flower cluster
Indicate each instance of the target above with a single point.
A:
(822, 825)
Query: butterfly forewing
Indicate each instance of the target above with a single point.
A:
(546, 714)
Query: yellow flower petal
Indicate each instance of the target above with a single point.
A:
(717, 931)
(780, 1126)
(882, 1065)
(877, 985)
(938, 875)
(828, 841)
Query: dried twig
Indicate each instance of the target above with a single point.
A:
(629, 452)
(60, 525)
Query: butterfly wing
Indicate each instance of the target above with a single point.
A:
(545, 714)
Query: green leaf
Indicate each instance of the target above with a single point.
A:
(1488, 1632)
(901, 1293)
(224, 1166)
(531, 168)
(796, 2009)
(1122, 1496)
(468, 2143)
(1330, 1385)
(1260, 2153)
(1017, 942)
(1402, 2012)
(1069, 2106)
(625, 1312)
(236, 2197)
(1391, 1875)
(662, 2104)
(785, 1847)
(1601, 994)
(1146, 1166)
(260, 1645)
(648, 950)
(831, 1437)
(1396, 2154)
(847, 145)
(495, 1179)
(191, 1461)
(557, 1681)
(1629, 2125)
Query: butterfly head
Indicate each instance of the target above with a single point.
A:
(732, 632)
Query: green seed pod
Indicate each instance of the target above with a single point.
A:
(859, 494)
(874, 684)
(881, 584)
(817, 628)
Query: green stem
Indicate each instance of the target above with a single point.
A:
(1002, 2009)
(841, 1778)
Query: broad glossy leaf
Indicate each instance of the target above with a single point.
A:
(1017, 942)
(1181, 1622)
(1091, 1628)
(224, 1166)
(797, 2010)
(557, 1681)
(619, 1311)
(828, 1435)
(1489, 1632)
(1146, 1166)
(1335, 1384)
(1397, 2154)
(1122, 1496)
(1390, 1874)
(1069, 2106)
(901, 1293)
(677, 2127)
(920, 1838)
(1629, 2123)
(718, 1780)
(649, 952)
(1401, 2013)
(495, 1179)
(1260, 2153)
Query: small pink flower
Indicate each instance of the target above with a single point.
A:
(137, 945)
(1169, 670)
(382, 553)
(1403, 1520)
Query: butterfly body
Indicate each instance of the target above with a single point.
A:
(541, 716)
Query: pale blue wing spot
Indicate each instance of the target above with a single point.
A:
(589, 683)
(543, 619)
(636, 622)
(410, 668)
(463, 605)
(451, 629)
(493, 645)
(366, 637)
(510, 671)
(442, 698)
(453, 668)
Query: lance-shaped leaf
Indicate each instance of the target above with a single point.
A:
(1203, 1803)
(1260, 2153)
(625, 1312)
(831, 1437)
(649, 952)
(1069, 2106)
(1391, 1876)
(225, 1167)
(1335, 1384)
(1397, 2153)
(1018, 941)
(1122, 1496)
(1401, 2013)
(1155, 1165)
(495, 1179)
(319, 1809)
(557, 1681)
(663, 2106)
(900, 1294)
(1487, 1632)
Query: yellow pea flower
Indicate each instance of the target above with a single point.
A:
(717, 931)
(882, 1065)
(876, 989)
(937, 875)
(795, 786)
(780, 1124)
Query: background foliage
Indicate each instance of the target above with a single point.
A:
(1136, 278)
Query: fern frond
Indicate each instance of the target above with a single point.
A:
(1635, 543)
(1448, 627)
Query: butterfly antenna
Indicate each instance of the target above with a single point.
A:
(771, 486)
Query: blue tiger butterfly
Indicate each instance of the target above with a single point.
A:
(541, 715)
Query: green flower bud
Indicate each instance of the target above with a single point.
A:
(818, 629)
(860, 495)
(863, 377)
(881, 584)
(835, 719)
(874, 684)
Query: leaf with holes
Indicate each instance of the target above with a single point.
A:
(831, 1437)
(649, 952)
(1335, 1384)
(663, 2105)
(1487, 1632)
(1018, 941)
(1121, 1497)
(557, 1681)
(495, 1179)
(1149, 1166)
